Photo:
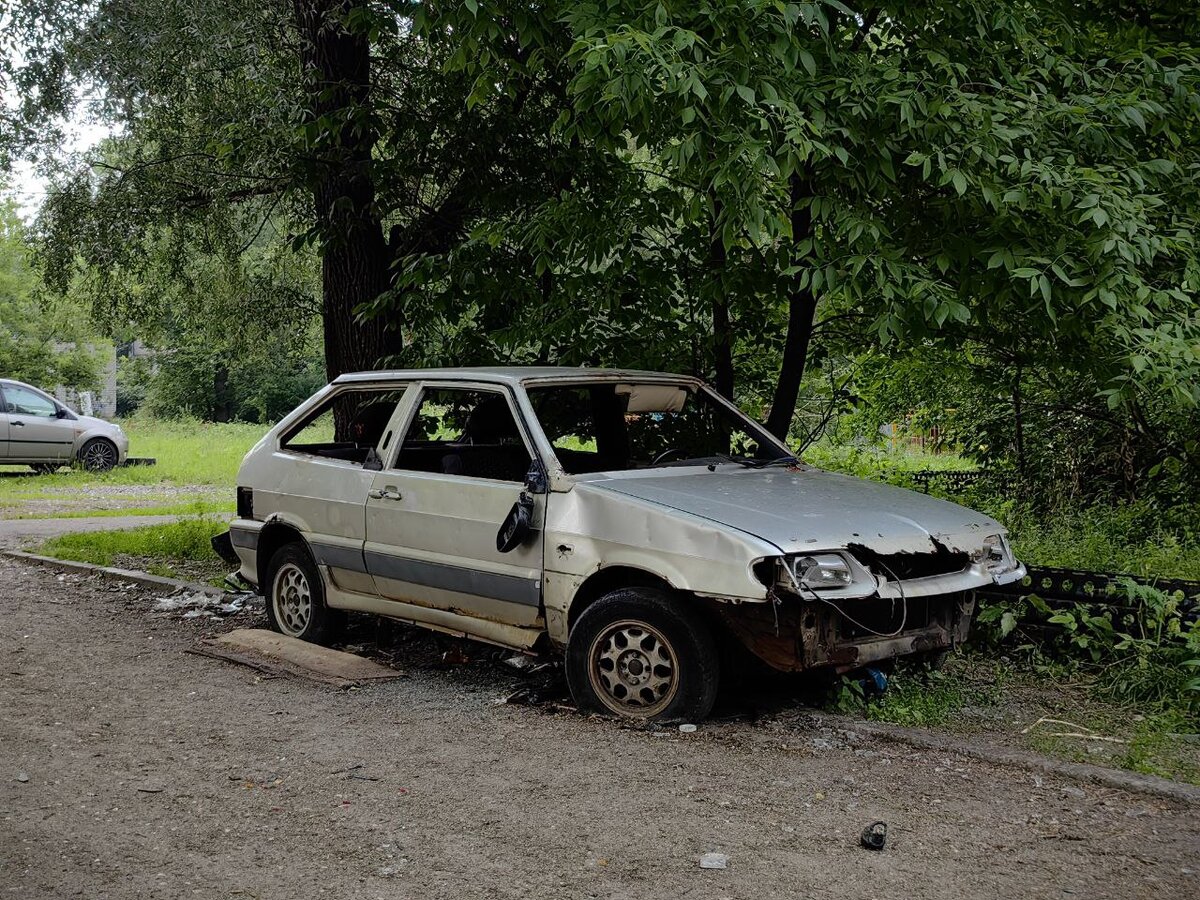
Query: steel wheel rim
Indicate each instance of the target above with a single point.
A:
(291, 599)
(99, 456)
(633, 669)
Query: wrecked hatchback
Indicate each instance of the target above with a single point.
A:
(634, 521)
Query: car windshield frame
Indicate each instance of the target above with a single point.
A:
(735, 416)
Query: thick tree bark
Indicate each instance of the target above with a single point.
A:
(355, 259)
(802, 309)
(722, 328)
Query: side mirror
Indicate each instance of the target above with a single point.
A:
(60, 412)
(517, 524)
(373, 462)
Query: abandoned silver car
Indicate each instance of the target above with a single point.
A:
(636, 521)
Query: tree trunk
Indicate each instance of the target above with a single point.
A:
(721, 326)
(355, 260)
(802, 310)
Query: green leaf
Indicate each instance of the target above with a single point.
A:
(1008, 623)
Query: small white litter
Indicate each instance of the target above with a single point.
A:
(714, 861)
(687, 728)
(197, 604)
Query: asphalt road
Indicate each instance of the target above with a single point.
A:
(130, 768)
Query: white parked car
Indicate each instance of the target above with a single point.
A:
(36, 430)
(633, 520)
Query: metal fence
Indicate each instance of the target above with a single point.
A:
(1063, 588)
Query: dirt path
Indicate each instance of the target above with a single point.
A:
(129, 768)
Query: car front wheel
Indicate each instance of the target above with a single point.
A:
(98, 455)
(641, 653)
(295, 598)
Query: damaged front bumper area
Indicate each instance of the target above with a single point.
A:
(792, 634)
(841, 610)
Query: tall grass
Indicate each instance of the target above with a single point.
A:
(187, 539)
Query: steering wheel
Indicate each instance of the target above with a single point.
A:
(665, 454)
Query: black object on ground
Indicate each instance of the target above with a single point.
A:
(874, 836)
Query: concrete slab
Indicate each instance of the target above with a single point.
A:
(282, 655)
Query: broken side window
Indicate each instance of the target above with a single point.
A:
(614, 427)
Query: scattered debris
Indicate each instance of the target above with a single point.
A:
(874, 836)
(535, 695)
(714, 861)
(198, 604)
(455, 656)
(687, 728)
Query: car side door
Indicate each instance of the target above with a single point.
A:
(433, 514)
(323, 468)
(36, 431)
(3, 425)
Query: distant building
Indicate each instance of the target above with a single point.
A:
(102, 403)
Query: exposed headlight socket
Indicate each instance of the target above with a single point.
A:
(821, 571)
(996, 554)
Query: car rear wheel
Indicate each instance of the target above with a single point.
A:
(295, 598)
(641, 653)
(98, 455)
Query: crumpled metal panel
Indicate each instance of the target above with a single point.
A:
(802, 509)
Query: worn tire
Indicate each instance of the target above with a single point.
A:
(294, 596)
(98, 455)
(631, 640)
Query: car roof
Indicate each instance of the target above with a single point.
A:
(514, 375)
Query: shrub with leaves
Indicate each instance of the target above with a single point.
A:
(1142, 650)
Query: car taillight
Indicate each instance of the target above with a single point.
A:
(245, 503)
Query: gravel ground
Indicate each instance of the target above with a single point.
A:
(130, 768)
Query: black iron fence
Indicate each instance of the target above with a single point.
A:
(1064, 588)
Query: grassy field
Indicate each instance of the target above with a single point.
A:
(196, 467)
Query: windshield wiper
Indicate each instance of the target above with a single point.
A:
(779, 461)
(740, 460)
(751, 463)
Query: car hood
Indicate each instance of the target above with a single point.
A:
(87, 423)
(806, 509)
